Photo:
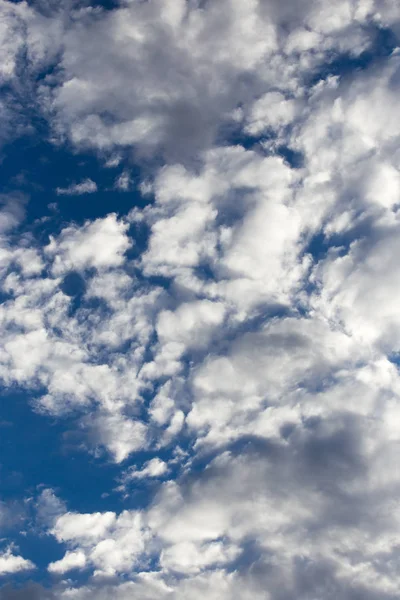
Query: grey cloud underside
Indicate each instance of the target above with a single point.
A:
(32, 591)
(266, 372)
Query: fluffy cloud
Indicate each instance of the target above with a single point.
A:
(190, 78)
(71, 560)
(310, 511)
(100, 244)
(239, 330)
(238, 218)
(44, 344)
(109, 543)
(11, 563)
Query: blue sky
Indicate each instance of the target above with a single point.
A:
(199, 300)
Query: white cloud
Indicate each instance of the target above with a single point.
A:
(190, 327)
(187, 557)
(191, 78)
(268, 364)
(240, 217)
(83, 527)
(273, 111)
(174, 115)
(87, 186)
(100, 244)
(120, 435)
(153, 468)
(68, 356)
(71, 560)
(11, 563)
(109, 543)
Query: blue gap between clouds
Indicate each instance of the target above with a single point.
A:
(37, 168)
(35, 451)
(385, 42)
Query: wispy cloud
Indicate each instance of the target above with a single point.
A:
(76, 189)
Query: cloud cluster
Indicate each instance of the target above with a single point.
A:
(173, 76)
(239, 333)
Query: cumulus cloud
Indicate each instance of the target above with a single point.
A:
(191, 79)
(12, 563)
(100, 244)
(235, 334)
(71, 560)
(109, 543)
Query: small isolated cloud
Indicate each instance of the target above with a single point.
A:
(87, 186)
(10, 563)
(113, 161)
(123, 182)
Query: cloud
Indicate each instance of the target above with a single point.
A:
(191, 79)
(48, 507)
(29, 43)
(234, 219)
(76, 189)
(12, 211)
(316, 518)
(74, 374)
(31, 591)
(120, 435)
(11, 563)
(123, 182)
(255, 387)
(271, 111)
(71, 560)
(109, 543)
(232, 341)
(100, 244)
(91, 526)
(174, 115)
(153, 468)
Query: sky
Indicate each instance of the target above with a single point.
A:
(199, 300)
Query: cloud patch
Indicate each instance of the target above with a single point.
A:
(87, 186)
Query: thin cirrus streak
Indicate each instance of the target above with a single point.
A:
(199, 300)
